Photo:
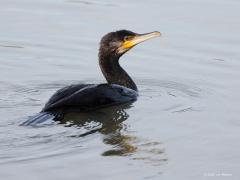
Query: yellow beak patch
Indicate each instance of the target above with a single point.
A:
(128, 44)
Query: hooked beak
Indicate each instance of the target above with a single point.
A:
(138, 39)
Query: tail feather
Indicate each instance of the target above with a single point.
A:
(41, 118)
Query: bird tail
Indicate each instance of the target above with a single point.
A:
(42, 118)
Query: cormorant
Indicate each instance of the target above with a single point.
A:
(119, 89)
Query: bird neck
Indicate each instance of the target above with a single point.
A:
(114, 73)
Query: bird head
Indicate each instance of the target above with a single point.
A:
(118, 42)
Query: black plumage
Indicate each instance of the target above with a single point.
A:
(119, 89)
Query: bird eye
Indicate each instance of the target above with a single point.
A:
(127, 38)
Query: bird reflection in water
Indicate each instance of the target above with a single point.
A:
(110, 123)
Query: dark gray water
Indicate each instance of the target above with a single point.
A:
(185, 124)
